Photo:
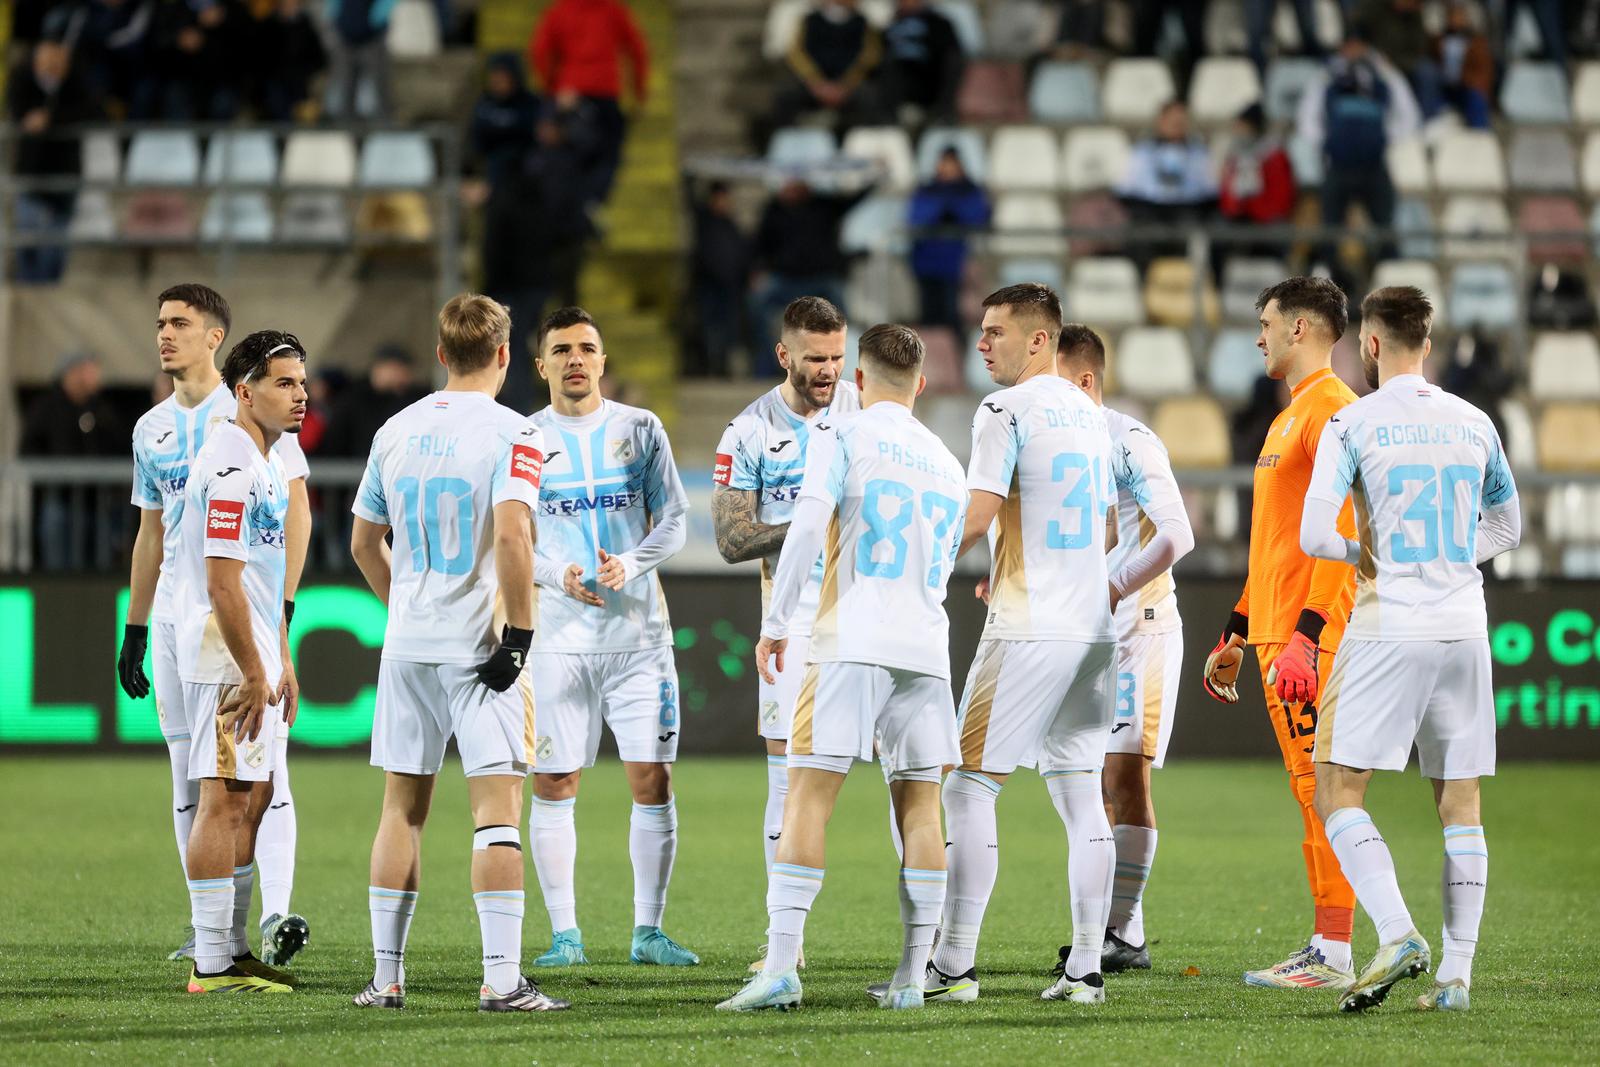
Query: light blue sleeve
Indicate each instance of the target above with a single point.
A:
(1338, 461)
(1127, 471)
(1499, 488)
(146, 486)
(370, 502)
(997, 440)
(664, 493)
(827, 463)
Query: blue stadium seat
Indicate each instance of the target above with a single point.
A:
(801, 146)
(1064, 92)
(1306, 158)
(1234, 363)
(1413, 222)
(1019, 271)
(397, 159)
(1243, 278)
(970, 143)
(877, 224)
(245, 217)
(314, 218)
(1483, 294)
(1286, 83)
(163, 157)
(92, 217)
(1536, 92)
(243, 157)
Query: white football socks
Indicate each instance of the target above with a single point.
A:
(791, 890)
(1136, 851)
(391, 911)
(275, 841)
(772, 818)
(921, 903)
(652, 845)
(554, 838)
(1091, 859)
(500, 924)
(1466, 876)
(244, 884)
(185, 796)
(973, 857)
(211, 914)
(1335, 954)
(1364, 857)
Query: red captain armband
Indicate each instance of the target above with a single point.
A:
(224, 519)
(527, 463)
(722, 473)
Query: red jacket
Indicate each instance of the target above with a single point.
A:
(576, 44)
(1273, 201)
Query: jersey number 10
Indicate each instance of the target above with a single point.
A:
(425, 536)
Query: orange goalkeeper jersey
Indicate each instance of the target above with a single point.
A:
(1282, 580)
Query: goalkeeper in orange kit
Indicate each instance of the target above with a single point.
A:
(1294, 608)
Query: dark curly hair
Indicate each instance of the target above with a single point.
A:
(248, 360)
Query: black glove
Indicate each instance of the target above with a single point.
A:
(288, 613)
(130, 661)
(499, 672)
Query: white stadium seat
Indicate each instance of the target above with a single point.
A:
(1133, 90)
(413, 30)
(1222, 87)
(889, 147)
(1536, 92)
(1154, 362)
(319, 157)
(1564, 366)
(1243, 278)
(1028, 224)
(801, 146)
(1469, 161)
(1415, 272)
(1105, 291)
(242, 157)
(1094, 157)
(1483, 294)
(102, 156)
(877, 224)
(244, 217)
(1476, 227)
(1286, 83)
(1408, 166)
(1591, 164)
(1542, 162)
(1024, 158)
(1586, 93)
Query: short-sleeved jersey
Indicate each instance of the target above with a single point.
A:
(1145, 485)
(165, 440)
(436, 472)
(1043, 446)
(1283, 581)
(236, 502)
(886, 559)
(763, 450)
(608, 478)
(1419, 464)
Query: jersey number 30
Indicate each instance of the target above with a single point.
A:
(887, 522)
(1434, 507)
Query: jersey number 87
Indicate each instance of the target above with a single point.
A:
(891, 529)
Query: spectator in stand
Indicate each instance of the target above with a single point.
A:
(504, 119)
(1257, 184)
(390, 385)
(721, 276)
(922, 63)
(575, 49)
(797, 254)
(358, 85)
(1149, 18)
(193, 68)
(1355, 109)
(951, 199)
(1466, 66)
(1169, 180)
(831, 61)
(108, 40)
(1552, 21)
(71, 419)
(1258, 28)
(322, 397)
(44, 93)
(288, 53)
(1395, 29)
(1081, 30)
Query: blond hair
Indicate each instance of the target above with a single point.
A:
(471, 330)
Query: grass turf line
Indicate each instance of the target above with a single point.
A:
(92, 899)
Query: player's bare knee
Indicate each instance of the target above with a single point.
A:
(651, 783)
(556, 786)
(1457, 801)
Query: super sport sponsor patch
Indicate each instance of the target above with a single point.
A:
(722, 472)
(224, 519)
(527, 463)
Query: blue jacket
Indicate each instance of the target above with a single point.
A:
(945, 204)
(360, 21)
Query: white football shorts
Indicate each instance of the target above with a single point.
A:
(776, 713)
(1149, 669)
(843, 708)
(165, 685)
(1044, 704)
(633, 693)
(422, 705)
(213, 750)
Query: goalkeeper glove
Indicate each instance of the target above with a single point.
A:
(1294, 673)
(1222, 666)
(130, 661)
(499, 672)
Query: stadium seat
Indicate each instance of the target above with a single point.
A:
(1417, 272)
(102, 156)
(882, 290)
(1104, 291)
(1016, 28)
(1286, 83)
(991, 92)
(941, 363)
(1569, 437)
(1019, 271)
(1133, 90)
(163, 157)
(801, 146)
(1564, 366)
(1560, 298)
(1234, 364)
(970, 143)
(244, 217)
(1093, 157)
(401, 218)
(1194, 430)
(242, 157)
(1594, 228)
(92, 217)
(878, 12)
(314, 218)
(1224, 28)
(413, 30)
(1536, 92)
(964, 18)
(1222, 87)
(1586, 93)
(1572, 513)
(1027, 224)
(319, 157)
(1408, 167)
(1591, 164)
(783, 22)
(397, 159)
(889, 147)
(1097, 211)
(1064, 92)
(1517, 434)
(1483, 294)
(1554, 226)
(877, 224)
(1413, 223)
(158, 216)
(1476, 227)
(1169, 293)
(1468, 161)
(1243, 278)
(1542, 162)
(1327, 16)
(1154, 362)
(1024, 157)
(1306, 159)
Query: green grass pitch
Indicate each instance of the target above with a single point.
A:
(91, 899)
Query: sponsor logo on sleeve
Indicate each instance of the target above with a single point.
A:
(223, 520)
(527, 463)
(722, 473)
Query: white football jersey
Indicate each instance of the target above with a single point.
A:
(436, 472)
(1146, 489)
(1419, 464)
(236, 502)
(608, 478)
(165, 440)
(899, 506)
(1043, 445)
(764, 450)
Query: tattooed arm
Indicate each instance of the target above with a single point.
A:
(739, 536)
